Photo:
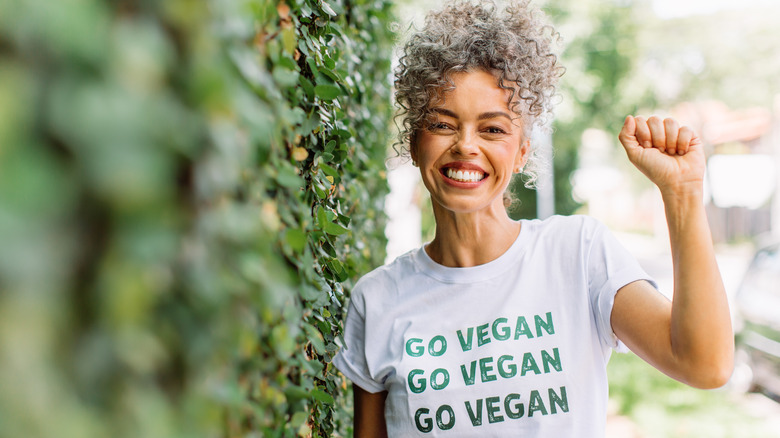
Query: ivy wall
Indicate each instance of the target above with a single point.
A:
(187, 190)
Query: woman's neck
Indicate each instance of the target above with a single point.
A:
(471, 239)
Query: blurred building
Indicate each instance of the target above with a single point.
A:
(742, 187)
(743, 158)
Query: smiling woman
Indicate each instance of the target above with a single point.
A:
(515, 47)
(471, 147)
(471, 83)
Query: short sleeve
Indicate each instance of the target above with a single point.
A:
(610, 267)
(351, 359)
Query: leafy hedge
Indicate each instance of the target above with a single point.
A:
(187, 190)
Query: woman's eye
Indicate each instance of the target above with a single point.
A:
(438, 126)
(494, 130)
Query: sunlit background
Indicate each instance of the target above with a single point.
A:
(714, 66)
(189, 189)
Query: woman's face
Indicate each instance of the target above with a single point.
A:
(469, 152)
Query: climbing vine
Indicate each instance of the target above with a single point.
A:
(187, 192)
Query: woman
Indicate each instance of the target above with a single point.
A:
(504, 328)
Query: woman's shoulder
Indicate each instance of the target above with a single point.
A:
(385, 277)
(564, 232)
(576, 223)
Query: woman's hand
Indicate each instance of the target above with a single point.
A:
(672, 157)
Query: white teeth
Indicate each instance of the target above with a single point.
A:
(465, 176)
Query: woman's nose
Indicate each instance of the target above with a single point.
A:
(466, 144)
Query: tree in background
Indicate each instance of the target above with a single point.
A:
(186, 191)
(730, 55)
(600, 55)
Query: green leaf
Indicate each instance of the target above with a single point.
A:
(334, 266)
(322, 217)
(314, 367)
(329, 62)
(298, 419)
(296, 238)
(310, 293)
(307, 86)
(326, 7)
(289, 40)
(309, 125)
(289, 63)
(324, 326)
(327, 91)
(293, 393)
(330, 171)
(334, 229)
(329, 73)
(312, 64)
(287, 177)
(323, 181)
(320, 192)
(315, 338)
(284, 76)
(322, 396)
(342, 133)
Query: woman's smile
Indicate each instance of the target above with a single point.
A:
(465, 175)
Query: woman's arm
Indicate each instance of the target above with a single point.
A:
(369, 413)
(689, 339)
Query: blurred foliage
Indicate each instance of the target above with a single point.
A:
(187, 190)
(729, 55)
(599, 39)
(664, 408)
(623, 59)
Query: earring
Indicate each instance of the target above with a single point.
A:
(414, 163)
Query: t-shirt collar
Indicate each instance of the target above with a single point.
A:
(472, 274)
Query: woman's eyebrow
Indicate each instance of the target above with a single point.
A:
(493, 115)
(483, 116)
(444, 112)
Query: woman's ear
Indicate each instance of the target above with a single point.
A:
(522, 155)
(413, 148)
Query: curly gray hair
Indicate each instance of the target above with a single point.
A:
(514, 44)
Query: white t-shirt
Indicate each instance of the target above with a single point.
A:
(515, 347)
